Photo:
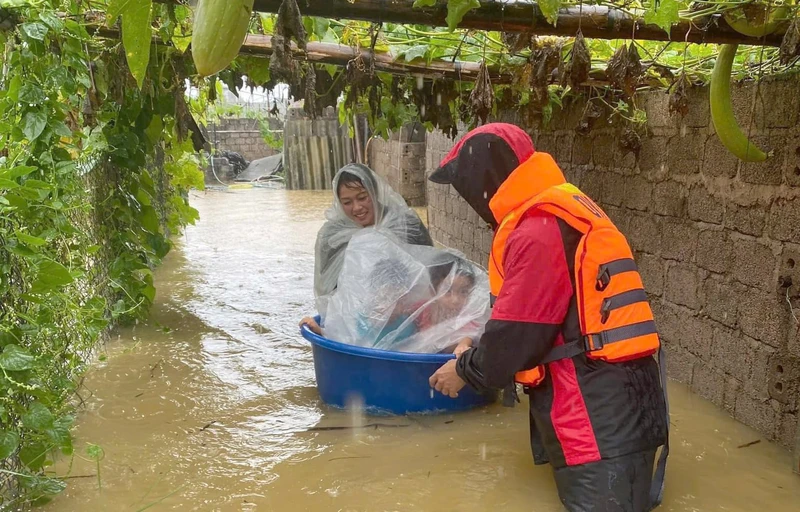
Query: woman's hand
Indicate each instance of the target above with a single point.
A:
(312, 325)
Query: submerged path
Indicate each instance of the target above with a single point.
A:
(211, 404)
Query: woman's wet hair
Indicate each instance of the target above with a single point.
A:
(350, 181)
(353, 181)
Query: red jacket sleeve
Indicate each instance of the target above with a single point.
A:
(530, 307)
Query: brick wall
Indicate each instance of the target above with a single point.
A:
(242, 136)
(401, 160)
(717, 241)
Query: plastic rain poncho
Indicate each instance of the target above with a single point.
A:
(406, 298)
(392, 215)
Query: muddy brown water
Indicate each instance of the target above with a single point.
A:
(211, 404)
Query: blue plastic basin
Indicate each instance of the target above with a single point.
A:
(385, 381)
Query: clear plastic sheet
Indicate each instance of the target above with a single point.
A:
(408, 298)
(392, 215)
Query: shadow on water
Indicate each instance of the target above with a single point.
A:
(211, 404)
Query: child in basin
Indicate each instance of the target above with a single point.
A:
(387, 317)
(414, 299)
(453, 280)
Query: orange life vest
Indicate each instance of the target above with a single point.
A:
(615, 317)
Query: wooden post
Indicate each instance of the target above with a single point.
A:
(595, 21)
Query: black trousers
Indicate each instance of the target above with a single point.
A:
(621, 484)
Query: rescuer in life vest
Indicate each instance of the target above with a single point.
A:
(570, 322)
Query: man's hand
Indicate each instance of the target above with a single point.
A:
(446, 380)
(312, 324)
(463, 345)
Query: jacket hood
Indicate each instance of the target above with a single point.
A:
(496, 168)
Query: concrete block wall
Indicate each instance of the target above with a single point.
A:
(717, 240)
(401, 160)
(402, 164)
(242, 136)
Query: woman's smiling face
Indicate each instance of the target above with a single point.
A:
(357, 204)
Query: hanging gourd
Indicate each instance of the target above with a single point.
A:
(220, 27)
(754, 20)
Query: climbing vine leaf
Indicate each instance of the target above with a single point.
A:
(456, 9)
(663, 13)
(16, 359)
(136, 34)
(550, 9)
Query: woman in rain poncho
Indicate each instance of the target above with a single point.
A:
(361, 199)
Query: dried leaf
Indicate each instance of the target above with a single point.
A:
(580, 63)
(790, 46)
(281, 65)
(625, 69)
(630, 141)
(289, 23)
(516, 41)
(544, 60)
(482, 96)
(679, 98)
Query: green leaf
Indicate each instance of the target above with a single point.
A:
(33, 124)
(456, 9)
(149, 219)
(41, 489)
(38, 184)
(59, 434)
(13, 88)
(415, 52)
(115, 8)
(60, 129)
(33, 455)
(255, 68)
(22, 252)
(321, 26)
(136, 34)
(30, 241)
(149, 291)
(52, 21)
(34, 30)
(38, 417)
(9, 441)
(17, 172)
(31, 94)
(550, 9)
(664, 15)
(16, 359)
(155, 129)
(6, 184)
(95, 452)
(52, 275)
(181, 42)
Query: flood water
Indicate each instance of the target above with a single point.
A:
(211, 404)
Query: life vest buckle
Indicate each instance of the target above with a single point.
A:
(605, 311)
(593, 342)
(603, 278)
